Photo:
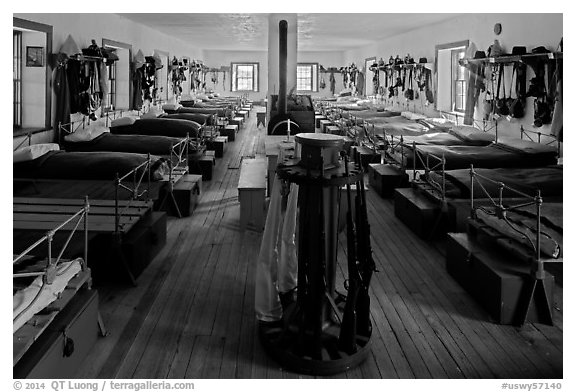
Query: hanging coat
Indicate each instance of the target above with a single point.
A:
(360, 83)
(137, 99)
(557, 116)
(73, 68)
(332, 83)
(62, 98)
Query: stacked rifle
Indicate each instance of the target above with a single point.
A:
(356, 317)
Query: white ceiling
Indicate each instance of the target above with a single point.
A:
(316, 32)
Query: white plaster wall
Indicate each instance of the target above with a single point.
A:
(85, 27)
(218, 58)
(528, 30)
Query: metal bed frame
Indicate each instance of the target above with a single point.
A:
(49, 272)
(537, 289)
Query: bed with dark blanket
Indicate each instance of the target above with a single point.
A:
(220, 112)
(140, 144)
(547, 179)
(66, 165)
(160, 126)
(370, 113)
(397, 125)
(504, 154)
(200, 118)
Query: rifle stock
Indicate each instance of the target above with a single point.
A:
(347, 338)
(366, 262)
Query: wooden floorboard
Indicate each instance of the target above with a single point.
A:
(191, 314)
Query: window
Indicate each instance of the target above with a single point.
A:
(111, 98)
(459, 84)
(244, 77)
(307, 77)
(452, 82)
(17, 77)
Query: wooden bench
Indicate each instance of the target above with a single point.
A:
(252, 193)
(260, 119)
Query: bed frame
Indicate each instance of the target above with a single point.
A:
(117, 218)
(29, 333)
(427, 197)
(537, 295)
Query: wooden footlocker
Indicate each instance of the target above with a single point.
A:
(368, 156)
(229, 131)
(203, 166)
(186, 194)
(63, 345)
(317, 120)
(218, 145)
(384, 179)
(423, 216)
(237, 121)
(324, 124)
(497, 281)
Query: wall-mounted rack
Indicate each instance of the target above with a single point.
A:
(513, 58)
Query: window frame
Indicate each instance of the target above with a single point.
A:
(456, 68)
(442, 89)
(49, 31)
(255, 80)
(111, 99)
(313, 77)
(17, 80)
(108, 43)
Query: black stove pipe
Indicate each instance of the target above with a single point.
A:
(282, 68)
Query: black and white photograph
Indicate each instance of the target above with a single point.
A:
(34, 56)
(227, 193)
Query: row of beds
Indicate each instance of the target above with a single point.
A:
(89, 209)
(497, 201)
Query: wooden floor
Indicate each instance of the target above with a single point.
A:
(192, 313)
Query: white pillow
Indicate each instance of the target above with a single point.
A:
(34, 151)
(151, 114)
(412, 116)
(170, 106)
(88, 133)
(127, 120)
(216, 94)
(203, 97)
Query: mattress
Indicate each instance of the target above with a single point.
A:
(548, 179)
(86, 165)
(160, 126)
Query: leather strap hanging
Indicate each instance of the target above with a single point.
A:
(501, 107)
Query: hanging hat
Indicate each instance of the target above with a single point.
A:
(540, 49)
(110, 55)
(518, 50)
(69, 47)
(139, 59)
(480, 54)
(422, 60)
(157, 60)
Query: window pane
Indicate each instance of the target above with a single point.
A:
(304, 77)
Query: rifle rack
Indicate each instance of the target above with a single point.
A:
(323, 332)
